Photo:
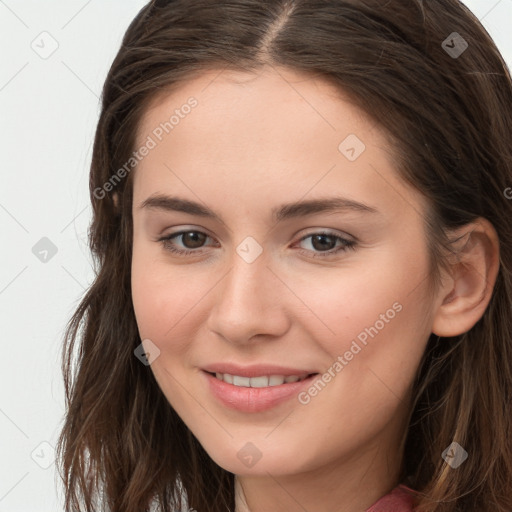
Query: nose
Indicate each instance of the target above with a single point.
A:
(249, 301)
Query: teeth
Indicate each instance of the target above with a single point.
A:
(258, 382)
(275, 380)
(241, 381)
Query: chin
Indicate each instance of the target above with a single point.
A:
(252, 458)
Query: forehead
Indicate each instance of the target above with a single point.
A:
(271, 132)
(227, 99)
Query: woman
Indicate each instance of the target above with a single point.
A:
(307, 198)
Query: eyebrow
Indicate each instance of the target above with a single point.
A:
(280, 213)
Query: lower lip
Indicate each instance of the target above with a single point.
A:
(248, 399)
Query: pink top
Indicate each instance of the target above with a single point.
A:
(400, 499)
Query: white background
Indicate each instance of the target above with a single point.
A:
(49, 109)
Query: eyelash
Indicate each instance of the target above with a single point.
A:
(346, 244)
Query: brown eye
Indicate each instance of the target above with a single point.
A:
(191, 242)
(193, 239)
(325, 244)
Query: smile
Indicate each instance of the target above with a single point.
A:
(260, 381)
(255, 394)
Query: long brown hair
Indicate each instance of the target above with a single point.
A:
(449, 118)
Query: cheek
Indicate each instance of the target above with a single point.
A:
(369, 366)
(171, 302)
(341, 304)
(162, 296)
(377, 321)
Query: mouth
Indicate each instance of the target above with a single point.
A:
(255, 394)
(261, 381)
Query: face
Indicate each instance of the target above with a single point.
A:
(247, 282)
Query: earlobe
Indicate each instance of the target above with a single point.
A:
(465, 295)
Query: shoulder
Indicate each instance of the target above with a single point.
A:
(400, 499)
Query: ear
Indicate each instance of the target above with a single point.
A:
(466, 292)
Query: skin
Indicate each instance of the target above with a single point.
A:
(253, 142)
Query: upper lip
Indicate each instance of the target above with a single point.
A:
(255, 370)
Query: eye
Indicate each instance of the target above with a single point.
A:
(191, 239)
(322, 244)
